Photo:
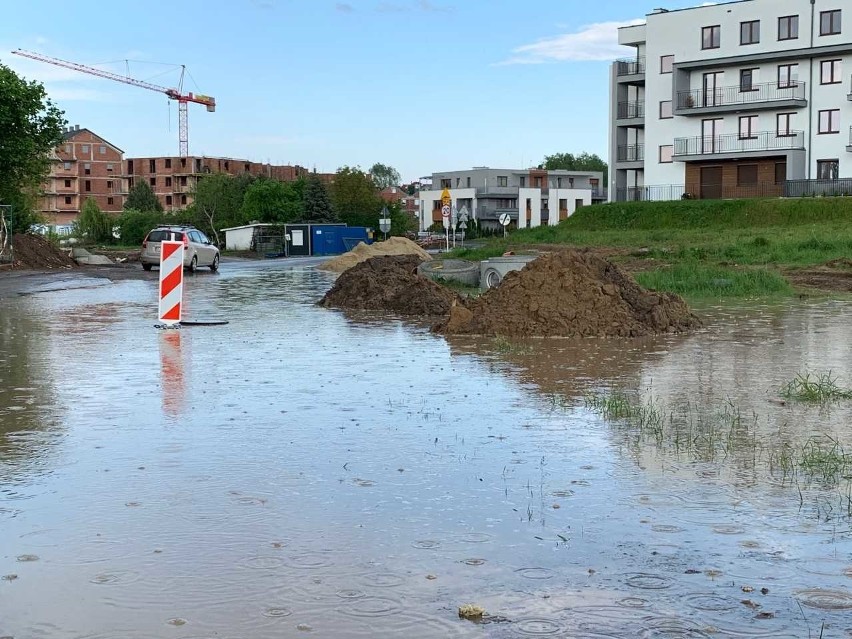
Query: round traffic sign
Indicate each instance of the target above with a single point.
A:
(445, 211)
(505, 219)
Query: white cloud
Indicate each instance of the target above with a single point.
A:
(597, 41)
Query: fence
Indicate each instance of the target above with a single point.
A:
(813, 188)
(790, 188)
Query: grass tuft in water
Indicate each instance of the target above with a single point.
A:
(817, 389)
(505, 346)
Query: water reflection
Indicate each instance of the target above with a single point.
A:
(349, 476)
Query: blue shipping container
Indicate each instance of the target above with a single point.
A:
(334, 240)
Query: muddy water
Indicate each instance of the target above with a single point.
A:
(301, 472)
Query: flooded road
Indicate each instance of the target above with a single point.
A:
(300, 472)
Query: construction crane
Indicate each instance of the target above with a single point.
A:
(183, 99)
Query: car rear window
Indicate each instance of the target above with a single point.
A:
(160, 236)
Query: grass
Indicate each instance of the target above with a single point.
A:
(690, 247)
(460, 287)
(821, 389)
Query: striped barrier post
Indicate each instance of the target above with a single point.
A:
(171, 283)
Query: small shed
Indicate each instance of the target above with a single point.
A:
(249, 236)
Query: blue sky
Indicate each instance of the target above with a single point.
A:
(423, 85)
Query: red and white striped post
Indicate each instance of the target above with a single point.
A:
(171, 282)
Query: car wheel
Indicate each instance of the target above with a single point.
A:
(147, 267)
(215, 265)
(193, 265)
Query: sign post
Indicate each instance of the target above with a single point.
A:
(385, 222)
(446, 201)
(171, 283)
(463, 218)
(454, 220)
(505, 220)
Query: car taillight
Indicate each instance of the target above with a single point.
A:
(185, 241)
(145, 243)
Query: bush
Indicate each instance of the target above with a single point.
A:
(93, 224)
(133, 226)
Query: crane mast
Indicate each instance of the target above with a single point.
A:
(183, 99)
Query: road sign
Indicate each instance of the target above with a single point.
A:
(384, 224)
(505, 219)
(463, 225)
(171, 282)
(446, 200)
(445, 211)
(454, 215)
(464, 215)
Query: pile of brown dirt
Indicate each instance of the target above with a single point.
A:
(390, 283)
(363, 252)
(570, 294)
(36, 252)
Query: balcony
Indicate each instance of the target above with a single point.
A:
(630, 153)
(630, 70)
(493, 213)
(633, 110)
(714, 147)
(769, 95)
(849, 146)
(599, 194)
(818, 188)
(497, 191)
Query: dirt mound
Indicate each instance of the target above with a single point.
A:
(36, 252)
(570, 294)
(390, 283)
(363, 252)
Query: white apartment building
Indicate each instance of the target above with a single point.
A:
(740, 99)
(532, 197)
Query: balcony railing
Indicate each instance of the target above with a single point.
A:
(736, 95)
(630, 67)
(631, 153)
(668, 192)
(599, 194)
(813, 188)
(733, 143)
(629, 110)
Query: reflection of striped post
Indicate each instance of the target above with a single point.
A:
(171, 282)
(172, 373)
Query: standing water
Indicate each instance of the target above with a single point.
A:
(303, 472)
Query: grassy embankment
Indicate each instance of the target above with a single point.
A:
(701, 249)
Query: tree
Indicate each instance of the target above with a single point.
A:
(355, 199)
(570, 162)
(142, 198)
(31, 128)
(218, 201)
(93, 224)
(318, 206)
(271, 201)
(384, 176)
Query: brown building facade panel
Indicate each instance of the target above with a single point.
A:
(745, 178)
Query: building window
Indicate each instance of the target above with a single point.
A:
(829, 72)
(536, 182)
(788, 28)
(153, 181)
(458, 182)
(87, 169)
(152, 166)
(109, 184)
(66, 166)
(746, 174)
(780, 172)
(711, 37)
(748, 127)
(183, 199)
(828, 169)
(666, 109)
(110, 200)
(109, 167)
(829, 22)
(67, 199)
(502, 180)
(68, 149)
(559, 183)
(168, 200)
(829, 121)
(67, 184)
(666, 63)
(523, 182)
(788, 75)
(85, 148)
(168, 181)
(785, 125)
(169, 163)
(468, 181)
(446, 183)
(102, 150)
(666, 154)
(747, 77)
(87, 186)
(750, 32)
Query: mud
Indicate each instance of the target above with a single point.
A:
(364, 252)
(570, 294)
(36, 252)
(390, 284)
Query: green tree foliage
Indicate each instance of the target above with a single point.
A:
(219, 202)
(133, 226)
(355, 198)
(384, 176)
(142, 198)
(317, 207)
(93, 224)
(30, 129)
(570, 162)
(274, 202)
